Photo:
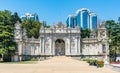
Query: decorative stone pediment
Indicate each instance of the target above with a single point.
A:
(60, 25)
(18, 25)
(102, 25)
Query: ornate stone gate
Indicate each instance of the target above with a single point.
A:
(60, 41)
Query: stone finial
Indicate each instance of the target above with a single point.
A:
(60, 25)
(102, 25)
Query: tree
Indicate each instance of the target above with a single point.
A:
(113, 29)
(85, 33)
(32, 28)
(15, 18)
(119, 20)
(7, 44)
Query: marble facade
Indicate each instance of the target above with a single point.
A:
(55, 41)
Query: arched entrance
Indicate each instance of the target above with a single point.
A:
(59, 47)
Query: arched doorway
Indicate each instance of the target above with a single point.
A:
(59, 47)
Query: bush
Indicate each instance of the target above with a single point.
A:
(94, 62)
(100, 63)
(34, 59)
(87, 60)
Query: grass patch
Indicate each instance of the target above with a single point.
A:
(22, 62)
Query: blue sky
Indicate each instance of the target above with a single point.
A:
(53, 11)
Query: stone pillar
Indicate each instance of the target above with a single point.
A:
(70, 42)
(78, 46)
(39, 49)
(106, 58)
(20, 51)
(52, 43)
(20, 58)
(80, 49)
(41, 45)
(68, 46)
(44, 45)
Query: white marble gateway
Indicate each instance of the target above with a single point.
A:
(61, 40)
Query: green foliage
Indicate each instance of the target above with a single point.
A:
(114, 33)
(85, 33)
(100, 63)
(34, 59)
(7, 44)
(32, 28)
(87, 60)
(113, 29)
(97, 63)
(15, 18)
(22, 62)
(47, 26)
(3, 51)
(119, 20)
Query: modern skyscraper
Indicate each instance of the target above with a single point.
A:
(71, 21)
(29, 16)
(83, 18)
(78, 18)
(93, 21)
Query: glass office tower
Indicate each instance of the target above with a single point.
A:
(93, 21)
(71, 21)
(83, 18)
(29, 16)
(78, 18)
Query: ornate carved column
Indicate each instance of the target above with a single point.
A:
(70, 40)
(20, 46)
(52, 42)
(44, 42)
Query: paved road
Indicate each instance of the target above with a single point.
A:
(54, 65)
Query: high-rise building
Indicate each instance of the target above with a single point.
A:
(78, 18)
(93, 21)
(71, 21)
(29, 16)
(83, 18)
